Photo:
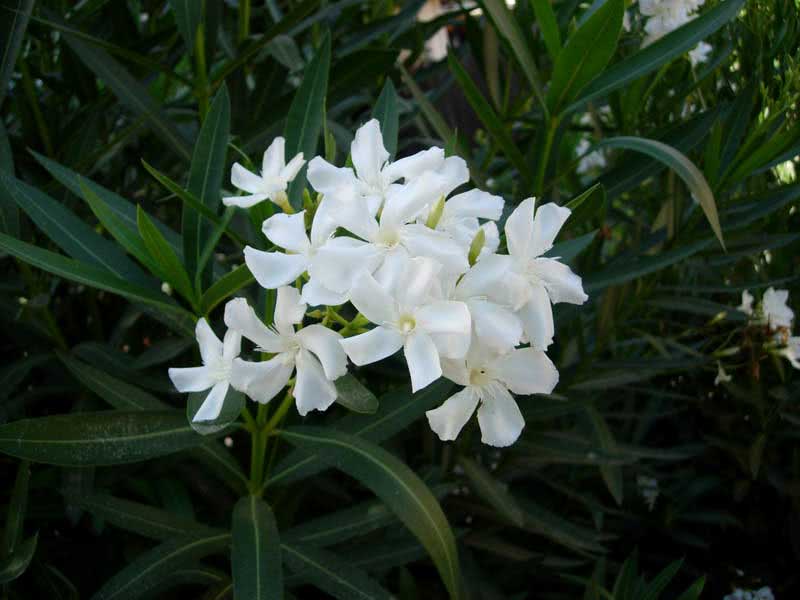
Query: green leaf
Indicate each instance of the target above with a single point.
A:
(548, 25)
(256, 555)
(396, 410)
(88, 275)
(226, 286)
(497, 130)
(98, 438)
(148, 521)
(15, 565)
(585, 205)
(685, 169)
(14, 16)
(352, 394)
(205, 176)
(568, 250)
(508, 28)
(661, 581)
(188, 17)
(586, 53)
(306, 114)
(612, 474)
(331, 574)
(385, 110)
(694, 591)
(17, 507)
(117, 393)
(492, 491)
(222, 464)
(232, 407)
(170, 268)
(658, 53)
(394, 483)
(185, 196)
(69, 232)
(543, 522)
(150, 569)
(626, 270)
(129, 92)
(122, 208)
(9, 211)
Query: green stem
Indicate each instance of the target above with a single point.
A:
(201, 89)
(538, 186)
(244, 20)
(258, 449)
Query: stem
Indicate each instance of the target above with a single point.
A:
(538, 185)
(200, 67)
(244, 20)
(258, 449)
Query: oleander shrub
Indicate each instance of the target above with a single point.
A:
(379, 299)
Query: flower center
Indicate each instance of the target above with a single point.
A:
(221, 371)
(406, 324)
(388, 238)
(478, 377)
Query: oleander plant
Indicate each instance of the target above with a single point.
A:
(400, 299)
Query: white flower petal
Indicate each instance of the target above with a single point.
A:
(562, 284)
(444, 316)
(245, 180)
(404, 203)
(474, 203)
(312, 390)
(368, 152)
(212, 405)
(499, 417)
(327, 178)
(326, 345)
(241, 317)
(262, 381)
(537, 318)
(449, 419)
(191, 379)
(494, 325)
(451, 345)
(547, 223)
(415, 165)
(352, 212)
(424, 241)
(244, 201)
(455, 370)
(484, 277)
(454, 172)
(373, 345)
(292, 168)
(210, 346)
(373, 301)
(413, 285)
(491, 241)
(519, 230)
(422, 358)
(289, 309)
(526, 371)
(287, 231)
(323, 225)
(274, 269)
(231, 344)
(316, 294)
(274, 158)
(336, 264)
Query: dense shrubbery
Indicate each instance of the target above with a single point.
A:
(658, 457)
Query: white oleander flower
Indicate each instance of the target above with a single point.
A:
(394, 235)
(314, 351)
(271, 184)
(722, 376)
(460, 216)
(488, 379)
(747, 303)
(700, 53)
(374, 175)
(792, 351)
(665, 16)
(776, 311)
(532, 283)
(215, 374)
(408, 317)
(275, 269)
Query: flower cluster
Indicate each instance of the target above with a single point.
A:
(419, 262)
(764, 593)
(665, 16)
(773, 312)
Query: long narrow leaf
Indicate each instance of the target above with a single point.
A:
(256, 554)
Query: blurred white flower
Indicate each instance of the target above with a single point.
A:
(215, 374)
(764, 593)
(700, 53)
(776, 311)
(747, 303)
(313, 350)
(648, 489)
(665, 16)
(487, 379)
(792, 351)
(722, 376)
(275, 177)
(593, 160)
(408, 317)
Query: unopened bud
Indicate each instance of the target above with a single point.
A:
(476, 246)
(436, 213)
(166, 288)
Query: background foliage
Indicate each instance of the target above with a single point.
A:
(119, 124)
